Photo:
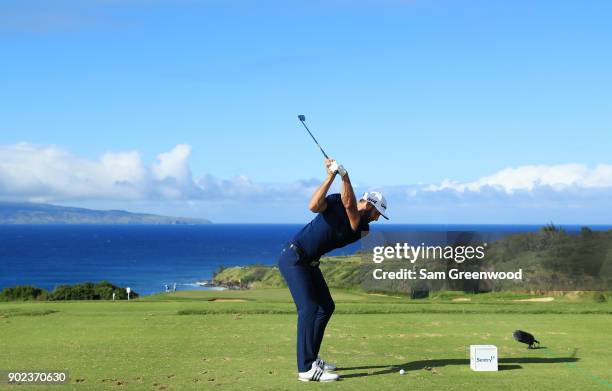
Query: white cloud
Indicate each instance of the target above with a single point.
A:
(173, 164)
(538, 194)
(529, 178)
(50, 174)
(567, 193)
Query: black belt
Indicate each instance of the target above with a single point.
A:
(303, 257)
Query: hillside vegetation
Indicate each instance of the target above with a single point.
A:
(551, 259)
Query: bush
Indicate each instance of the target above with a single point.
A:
(73, 292)
(23, 292)
(90, 291)
(599, 298)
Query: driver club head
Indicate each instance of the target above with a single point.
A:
(302, 117)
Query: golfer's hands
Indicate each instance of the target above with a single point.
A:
(333, 167)
(328, 166)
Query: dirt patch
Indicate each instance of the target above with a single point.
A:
(227, 300)
(538, 299)
(462, 299)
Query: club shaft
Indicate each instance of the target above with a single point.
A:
(315, 140)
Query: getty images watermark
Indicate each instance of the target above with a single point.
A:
(458, 254)
(548, 259)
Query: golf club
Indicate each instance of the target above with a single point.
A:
(302, 119)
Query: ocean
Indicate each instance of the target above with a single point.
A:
(145, 258)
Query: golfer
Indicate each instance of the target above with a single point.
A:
(340, 220)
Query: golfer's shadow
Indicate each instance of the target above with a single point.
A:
(504, 364)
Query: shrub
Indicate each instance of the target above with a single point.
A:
(90, 291)
(600, 298)
(23, 292)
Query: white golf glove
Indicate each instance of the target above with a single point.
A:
(335, 167)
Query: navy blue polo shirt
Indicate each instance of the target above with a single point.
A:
(331, 229)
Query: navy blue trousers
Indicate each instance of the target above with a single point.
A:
(313, 301)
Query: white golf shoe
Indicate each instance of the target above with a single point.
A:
(317, 373)
(326, 366)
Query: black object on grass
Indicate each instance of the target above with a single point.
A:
(526, 338)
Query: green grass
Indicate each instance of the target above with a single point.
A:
(183, 341)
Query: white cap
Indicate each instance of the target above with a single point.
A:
(378, 200)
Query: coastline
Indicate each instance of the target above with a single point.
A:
(146, 258)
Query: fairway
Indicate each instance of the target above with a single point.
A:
(185, 341)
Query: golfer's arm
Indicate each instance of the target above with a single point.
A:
(317, 201)
(349, 202)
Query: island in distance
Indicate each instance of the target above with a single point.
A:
(34, 213)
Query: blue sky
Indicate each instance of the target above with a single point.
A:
(408, 95)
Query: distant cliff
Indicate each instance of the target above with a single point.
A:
(33, 213)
